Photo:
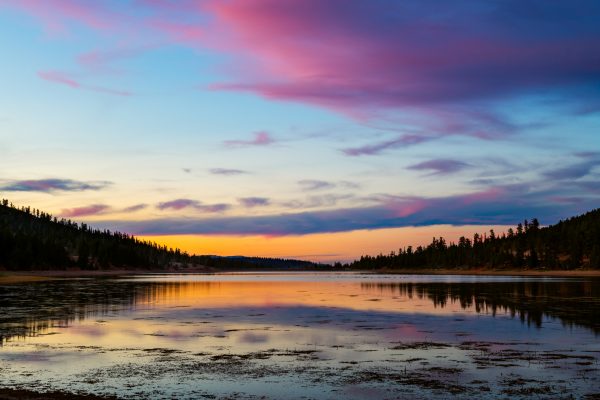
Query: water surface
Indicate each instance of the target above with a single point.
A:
(301, 335)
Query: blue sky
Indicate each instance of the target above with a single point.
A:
(261, 118)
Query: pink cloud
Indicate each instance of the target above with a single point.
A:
(94, 209)
(59, 77)
(57, 14)
(365, 59)
(261, 138)
(63, 78)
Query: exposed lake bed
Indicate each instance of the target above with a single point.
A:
(299, 335)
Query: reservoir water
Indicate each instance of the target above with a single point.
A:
(304, 336)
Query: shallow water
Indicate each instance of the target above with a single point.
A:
(301, 335)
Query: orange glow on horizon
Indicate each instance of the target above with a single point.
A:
(322, 247)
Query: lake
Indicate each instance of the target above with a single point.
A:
(304, 336)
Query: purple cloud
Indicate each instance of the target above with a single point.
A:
(94, 209)
(429, 59)
(378, 147)
(213, 208)
(52, 185)
(134, 208)
(261, 138)
(180, 204)
(227, 171)
(403, 54)
(440, 166)
(574, 171)
(251, 202)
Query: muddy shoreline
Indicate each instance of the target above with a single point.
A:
(23, 394)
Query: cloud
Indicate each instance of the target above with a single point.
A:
(315, 184)
(251, 202)
(213, 208)
(94, 209)
(404, 54)
(378, 147)
(56, 15)
(349, 184)
(493, 206)
(134, 208)
(180, 204)
(428, 59)
(66, 79)
(52, 185)
(325, 200)
(574, 171)
(227, 171)
(261, 138)
(440, 166)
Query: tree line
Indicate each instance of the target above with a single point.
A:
(33, 239)
(570, 244)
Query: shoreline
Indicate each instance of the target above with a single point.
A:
(9, 277)
(492, 272)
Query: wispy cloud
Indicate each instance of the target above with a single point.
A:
(574, 171)
(315, 184)
(251, 202)
(52, 185)
(378, 147)
(180, 204)
(317, 201)
(134, 208)
(94, 209)
(227, 171)
(261, 138)
(66, 79)
(440, 166)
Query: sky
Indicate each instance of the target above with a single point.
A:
(311, 129)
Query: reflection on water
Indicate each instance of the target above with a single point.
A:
(29, 308)
(573, 302)
(328, 336)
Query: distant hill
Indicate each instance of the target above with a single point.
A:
(259, 263)
(570, 244)
(31, 239)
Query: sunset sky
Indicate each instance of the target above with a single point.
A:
(311, 129)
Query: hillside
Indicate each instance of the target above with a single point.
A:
(570, 244)
(31, 239)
